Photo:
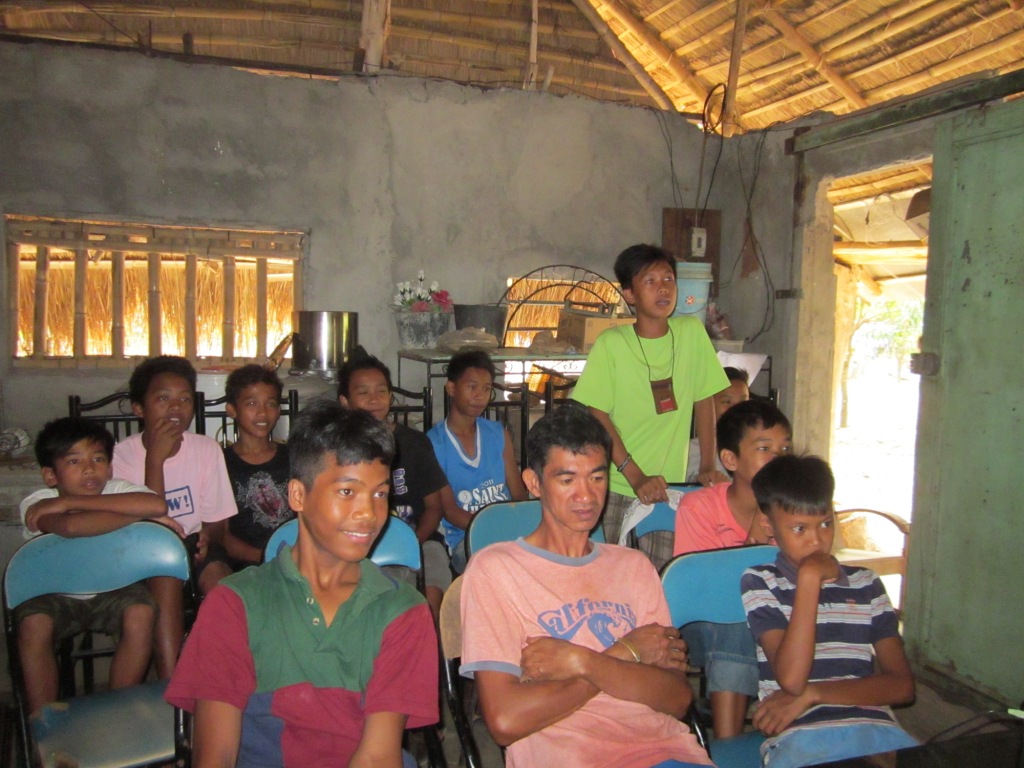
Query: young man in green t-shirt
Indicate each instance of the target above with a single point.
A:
(644, 383)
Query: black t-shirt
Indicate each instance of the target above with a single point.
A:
(415, 473)
(261, 493)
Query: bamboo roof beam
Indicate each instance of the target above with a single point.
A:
(703, 40)
(799, 43)
(885, 24)
(623, 54)
(912, 82)
(904, 181)
(689, 21)
(213, 13)
(834, 48)
(461, 41)
(674, 67)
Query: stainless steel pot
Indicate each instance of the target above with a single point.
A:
(324, 340)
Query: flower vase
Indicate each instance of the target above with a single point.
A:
(421, 330)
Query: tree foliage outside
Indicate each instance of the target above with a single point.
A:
(890, 329)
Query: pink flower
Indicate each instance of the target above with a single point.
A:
(443, 300)
(420, 306)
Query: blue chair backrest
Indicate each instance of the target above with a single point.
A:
(396, 545)
(705, 586)
(663, 516)
(51, 564)
(507, 521)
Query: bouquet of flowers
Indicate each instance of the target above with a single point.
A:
(420, 297)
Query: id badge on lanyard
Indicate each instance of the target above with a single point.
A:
(664, 397)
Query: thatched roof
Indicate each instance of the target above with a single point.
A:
(796, 57)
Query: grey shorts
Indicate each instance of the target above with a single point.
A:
(100, 613)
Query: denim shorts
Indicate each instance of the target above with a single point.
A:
(811, 746)
(727, 654)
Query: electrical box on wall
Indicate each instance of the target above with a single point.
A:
(693, 236)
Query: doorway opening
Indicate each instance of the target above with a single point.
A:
(880, 252)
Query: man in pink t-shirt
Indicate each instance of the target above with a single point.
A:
(569, 641)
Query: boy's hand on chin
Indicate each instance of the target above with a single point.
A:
(823, 565)
(165, 439)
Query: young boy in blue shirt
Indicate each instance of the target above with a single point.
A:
(82, 499)
(475, 453)
(820, 629)
(316, 657)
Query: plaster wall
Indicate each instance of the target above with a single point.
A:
(388, 175)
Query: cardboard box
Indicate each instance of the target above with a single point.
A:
(581, 329)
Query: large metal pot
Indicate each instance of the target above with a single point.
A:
(323, 340)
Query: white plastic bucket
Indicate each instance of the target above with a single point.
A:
(693, 281)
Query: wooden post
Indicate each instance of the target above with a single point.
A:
(191, 322)
(530, 79)
(228, 338)
(117, 305)
(154, 309)
(78, 347)
(261, 309)
(39, 319)
(373, 33)
(729, 117)
(13, 281)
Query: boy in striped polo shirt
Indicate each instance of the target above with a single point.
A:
(316, 657)
(820, 627)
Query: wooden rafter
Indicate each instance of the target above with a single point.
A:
(800, 44)
(673, 66)
(623, 54)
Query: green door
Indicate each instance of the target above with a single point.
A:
(965, 601)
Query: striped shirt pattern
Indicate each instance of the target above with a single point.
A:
(853, 614)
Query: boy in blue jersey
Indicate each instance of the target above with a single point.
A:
(475, 453)
(820, 628)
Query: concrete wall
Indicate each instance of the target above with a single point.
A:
(388, 175)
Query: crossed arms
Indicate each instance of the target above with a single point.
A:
(559, 677)
(74, 516)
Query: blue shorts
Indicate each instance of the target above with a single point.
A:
(811, 746)
(726, 652)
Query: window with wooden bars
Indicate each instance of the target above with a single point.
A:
(91, 290)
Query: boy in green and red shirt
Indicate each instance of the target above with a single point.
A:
(316, 657)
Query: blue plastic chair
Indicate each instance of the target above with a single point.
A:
(127, 727)
(507, 521)
(663, 516)
(396, 545)
(705, 586)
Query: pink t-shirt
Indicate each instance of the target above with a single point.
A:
(196, 483)
(513, 591)
(704, 521)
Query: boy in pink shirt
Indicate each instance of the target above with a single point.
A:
(750, 434)
(568, 640)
